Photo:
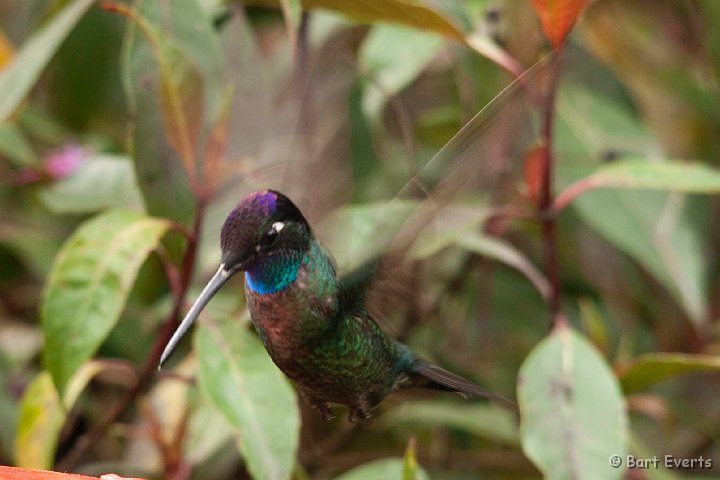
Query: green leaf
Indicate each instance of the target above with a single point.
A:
(208, 432)
(41, 418)
(486, 421)
(393, 57)
(504, 252)
(642, 173)
(88, 284)
(238, 377)
(572, 412)
(400, 12)
(17, 78)
(387, 468)
(410, 465)
(663, 232)
(652, 368)
(100, 182)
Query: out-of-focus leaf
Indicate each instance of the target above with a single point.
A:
(487, 421)
(410, 465)
(381, 470)
(78, 382)
(393, 57)
(19, 76)
(572, 412)
(14, 145)
(652, 368)
(401, 12)
(558, 17)
(42, 414)
(644, 174)
(485, 45)
(593, 324)
(503, 252)
(663, 232)
(208, 431)
(86, 288)
(41, 417)
(238, 377)
(459, 225)
(99, 182)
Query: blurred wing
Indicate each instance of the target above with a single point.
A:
(287, 128)
(485, 157)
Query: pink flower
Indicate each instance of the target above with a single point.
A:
(57, 165)
(64, 161)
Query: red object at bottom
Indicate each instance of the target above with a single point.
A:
(14, 473)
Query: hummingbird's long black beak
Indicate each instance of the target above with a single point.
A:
(217, 281)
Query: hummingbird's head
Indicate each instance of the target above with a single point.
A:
(264, 234)
(262, 225)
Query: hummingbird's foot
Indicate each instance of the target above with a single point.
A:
(323, 408)
(358, 415)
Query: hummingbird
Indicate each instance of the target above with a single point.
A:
(314, 323)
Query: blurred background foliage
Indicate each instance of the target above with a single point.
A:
(128, 131)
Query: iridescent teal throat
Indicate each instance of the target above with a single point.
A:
(273, 275)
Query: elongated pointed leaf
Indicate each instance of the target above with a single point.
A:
(88, 284)
(642, 173)
(19, 76)
(558, 17)
(402, 12)
(238, 377)
(572, 413)
(410, 465)
(652, 368)
(41, 418)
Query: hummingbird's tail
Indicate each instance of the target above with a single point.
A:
(431, 376)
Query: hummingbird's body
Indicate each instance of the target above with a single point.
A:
(314, 325)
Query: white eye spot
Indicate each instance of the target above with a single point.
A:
(277, 226)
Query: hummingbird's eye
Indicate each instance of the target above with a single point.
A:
(271, 235)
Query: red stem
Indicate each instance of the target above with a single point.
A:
(546, 194)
